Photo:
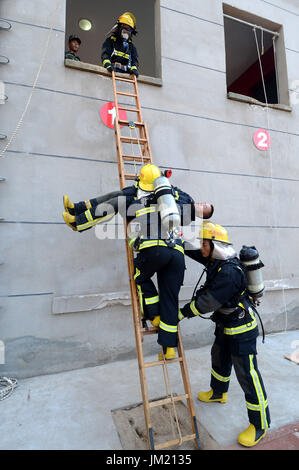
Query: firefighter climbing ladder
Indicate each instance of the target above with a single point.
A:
(141, 141)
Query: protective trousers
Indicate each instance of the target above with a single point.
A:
(227, 352)
(169, 265)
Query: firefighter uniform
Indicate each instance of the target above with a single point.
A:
(115, 51)
(224, 293)
(156, 255)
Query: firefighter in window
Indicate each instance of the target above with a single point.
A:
(118, 51)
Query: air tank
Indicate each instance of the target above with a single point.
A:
(169, 212)
(252, 266)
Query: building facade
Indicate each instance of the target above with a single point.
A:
(65, 296)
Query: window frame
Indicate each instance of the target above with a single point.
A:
(281, 63)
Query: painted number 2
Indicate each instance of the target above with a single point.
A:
(261, 139)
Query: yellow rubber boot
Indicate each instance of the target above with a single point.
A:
(170, 354)
(209, 396)
(68, 205)
(251, 436)
(156, 321)
(70, 220)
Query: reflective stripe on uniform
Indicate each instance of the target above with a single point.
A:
(151, 300)
(140, 298)
(219, 377)
(254, 407)
(169, 328)
(106, 61)
(88, 204)
(120, 54)
(259, 393)
(146, 210)
(150, 243)
(243, 328)
(181, 316)
(194, 309)
(136, 273)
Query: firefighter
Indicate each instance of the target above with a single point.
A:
(118, 51)
(74, 46)
(225, 294)
(157, 253)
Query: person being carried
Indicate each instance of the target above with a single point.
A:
(118, 51)
(74, 46)
(225, 293)
(157, 252)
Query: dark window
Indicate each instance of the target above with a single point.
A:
(103, 15)
(255, 62)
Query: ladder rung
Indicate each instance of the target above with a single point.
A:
(160, 363)
(126, 94)
(164, 401)
(136, 158)
(127, 108)
(132, 140)
(124, 79)
(130, 177)
(190, 437)
(150, 331)
(126, 123)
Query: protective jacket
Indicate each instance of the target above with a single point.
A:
(224, 293)
(114, 49)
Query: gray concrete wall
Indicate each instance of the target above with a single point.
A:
(62, 147)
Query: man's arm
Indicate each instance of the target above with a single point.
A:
(226, 284)
(107, 49)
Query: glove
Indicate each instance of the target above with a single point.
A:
(109, 67)
(135, 72)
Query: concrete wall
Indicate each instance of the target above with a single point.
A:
(62, 147)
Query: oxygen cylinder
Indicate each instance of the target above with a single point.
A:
(249, 257)
(169, 213)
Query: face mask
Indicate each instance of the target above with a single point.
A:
(125, 35)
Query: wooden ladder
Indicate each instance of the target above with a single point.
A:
(141, 140)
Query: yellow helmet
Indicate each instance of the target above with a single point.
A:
(128, 19)
(147, 176)
(211, 231)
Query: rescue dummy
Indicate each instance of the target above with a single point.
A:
(160, 250)
(225, 293)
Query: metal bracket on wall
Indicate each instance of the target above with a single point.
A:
(4, 59)
(2, 178)
(5, 25)
(3, 136)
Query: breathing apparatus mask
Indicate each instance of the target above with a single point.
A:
(125, 33)
(222, 251)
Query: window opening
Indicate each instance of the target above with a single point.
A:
(90, 21)
(255, 58)
(244, 73)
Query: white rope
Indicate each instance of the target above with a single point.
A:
(275, 226)
(7, 386)
(167, 381)
(19, 124)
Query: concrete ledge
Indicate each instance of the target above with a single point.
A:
(249, 100)
(86, 303)
(89, 302)
(84, 67)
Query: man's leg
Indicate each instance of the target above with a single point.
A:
(170, 279)
(250, 380)
(145, 268)
(221, 365)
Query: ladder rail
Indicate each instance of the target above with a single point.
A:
(139, 330)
